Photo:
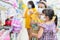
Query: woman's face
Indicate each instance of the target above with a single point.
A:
(40, 8)
(40, 5)
(29, 6)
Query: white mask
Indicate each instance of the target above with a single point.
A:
(42, 17)
(40, 10)
(29, 6)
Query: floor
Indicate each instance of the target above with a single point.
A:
(58, 35)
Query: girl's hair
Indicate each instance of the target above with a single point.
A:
(31, 3)
(50, 14)
(56, 19)
(43, 4)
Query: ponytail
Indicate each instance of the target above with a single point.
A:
(50, 13)
(56, 19)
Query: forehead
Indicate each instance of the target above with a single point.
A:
(40, 4)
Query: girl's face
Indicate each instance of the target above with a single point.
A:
(46, 18)
(42, 17)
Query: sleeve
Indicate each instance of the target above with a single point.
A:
(42, 25)
(39, 20)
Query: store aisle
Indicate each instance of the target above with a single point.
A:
(58, 35)
(23, 35)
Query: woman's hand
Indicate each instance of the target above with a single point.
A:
(31, 11)
(32, 22)
(57, 29)
(34, 35)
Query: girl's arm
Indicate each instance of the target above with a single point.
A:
(39, 33)
(53, 18)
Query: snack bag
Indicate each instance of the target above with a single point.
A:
(16, 24)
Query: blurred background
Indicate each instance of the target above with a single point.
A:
(10, 8)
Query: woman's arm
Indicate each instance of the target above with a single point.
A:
(39, 33)
(57, 29)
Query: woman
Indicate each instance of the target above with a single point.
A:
(41, 6)
(28, 16)
(47, 30)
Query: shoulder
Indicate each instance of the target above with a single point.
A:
(34, 9)
(26, 9)
(42, 25)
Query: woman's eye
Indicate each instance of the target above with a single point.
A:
(38, 6)
(41, 7)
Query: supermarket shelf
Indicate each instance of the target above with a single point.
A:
(5, 27)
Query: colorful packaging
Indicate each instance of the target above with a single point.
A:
(7, 37)
(16, 24)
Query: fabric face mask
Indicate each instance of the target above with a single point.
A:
(40, 10)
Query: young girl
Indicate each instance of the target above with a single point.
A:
(47, 29)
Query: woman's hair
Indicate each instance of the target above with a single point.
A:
(43, 4)
(50, 14)
(43, 0)
(31, 3)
